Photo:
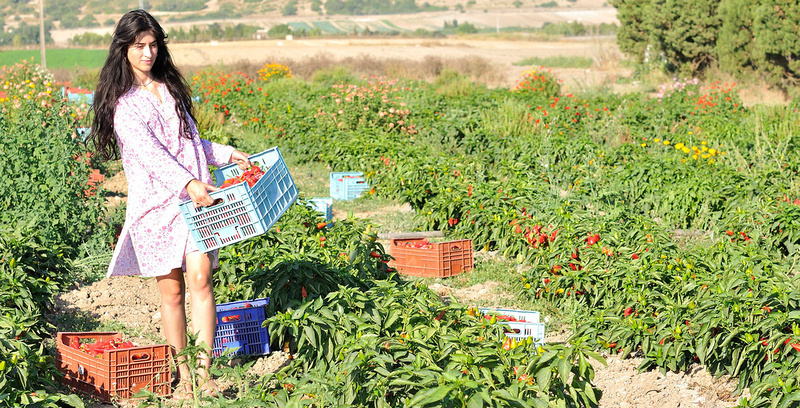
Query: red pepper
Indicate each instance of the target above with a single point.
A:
(796, 346)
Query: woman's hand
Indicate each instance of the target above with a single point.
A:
(241, 159)
(198, 193)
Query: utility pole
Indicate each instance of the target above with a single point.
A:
(41, 33)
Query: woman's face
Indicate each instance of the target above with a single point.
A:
(142, 54)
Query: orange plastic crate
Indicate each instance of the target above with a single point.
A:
(440, 260)
(118, 374)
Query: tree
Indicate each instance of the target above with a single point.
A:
(279, 31)
(633, 34)
(686, 31)
(466, 28)
(777, 42)
(290, 9)
(734, 48)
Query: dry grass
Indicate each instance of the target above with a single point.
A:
(754, 91)
(478, 69)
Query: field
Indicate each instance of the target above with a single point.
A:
(57, 58)
(655, 231)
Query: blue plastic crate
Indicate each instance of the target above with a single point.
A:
(83, 132)
(347, 185)
(323, 205)
(78, 97)
(239, 327)
(241, 211)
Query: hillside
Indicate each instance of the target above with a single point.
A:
(75, 17)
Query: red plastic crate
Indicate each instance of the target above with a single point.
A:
(118, 374)
(435, 260)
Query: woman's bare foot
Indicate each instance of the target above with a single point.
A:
(183, 391)
(209, 387)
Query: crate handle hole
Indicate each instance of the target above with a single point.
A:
(81, 370)
(140, 357)
(216, 202)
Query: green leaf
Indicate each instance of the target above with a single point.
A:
(564, 368)
(475, 402)
(430, 395)
(310, 335)
(543, 377)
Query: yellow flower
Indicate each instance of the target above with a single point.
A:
(656, 140)
(690, 132)
(694, 156)
(703, 142)
(704, 148)
(685, 150)
(644, 144)
(679, 146)
(705, 156)
(712, 151)
(666, 143)
(694, 148)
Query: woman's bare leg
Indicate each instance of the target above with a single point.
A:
(173, 313)
(200, 283)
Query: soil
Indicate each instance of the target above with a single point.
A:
(134, 303)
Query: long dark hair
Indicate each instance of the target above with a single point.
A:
(116, 78)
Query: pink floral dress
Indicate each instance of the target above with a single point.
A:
(158, 163)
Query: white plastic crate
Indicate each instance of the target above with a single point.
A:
(525, 330)
(527, 316)
(528, 324)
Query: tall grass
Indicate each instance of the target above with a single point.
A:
(558, 62)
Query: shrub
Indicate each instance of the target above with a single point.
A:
(466, 28)
(45, 169)
(279, 31)
(273, 70)
(539, 83)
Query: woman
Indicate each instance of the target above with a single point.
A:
(143, 114)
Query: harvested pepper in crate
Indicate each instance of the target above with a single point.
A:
(251, 176)
(97, 349)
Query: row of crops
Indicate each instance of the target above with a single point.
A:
(669, 221)
(358, 334)
(666, 222)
